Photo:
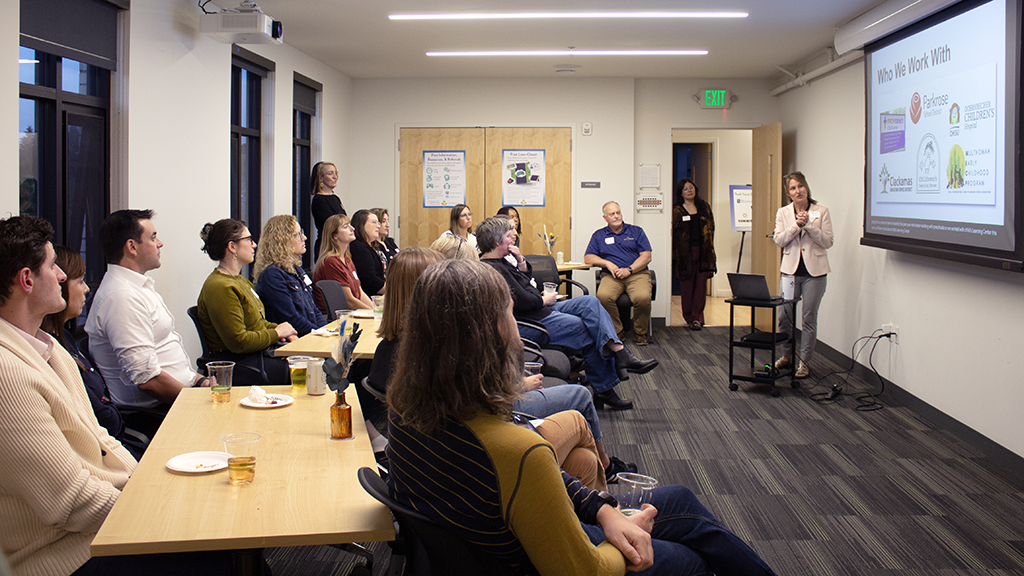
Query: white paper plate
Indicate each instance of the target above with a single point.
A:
(199, 462)
(362, 313)
(282, 400)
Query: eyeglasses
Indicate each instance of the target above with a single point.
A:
(249, 238)
(470, 215)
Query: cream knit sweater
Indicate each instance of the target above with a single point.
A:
(60, 472)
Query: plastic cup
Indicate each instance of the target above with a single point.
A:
(550, 287)
(241, 446)
(634, 491)
(297, 370)
(221, 373)
(532, 368)
(378, 308)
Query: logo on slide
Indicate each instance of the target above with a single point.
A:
(915, 108)
(954, 114)
(883, 177)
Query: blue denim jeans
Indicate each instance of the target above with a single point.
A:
(688, 540)
(581, 323)
(547, 401)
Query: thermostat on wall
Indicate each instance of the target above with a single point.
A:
(649, 202)
(587, 129)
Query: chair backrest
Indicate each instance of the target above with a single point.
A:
(193, 313)
(447, 553)
(378, 394)
(334, 297)
(544, 268)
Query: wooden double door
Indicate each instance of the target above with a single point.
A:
(420, 226)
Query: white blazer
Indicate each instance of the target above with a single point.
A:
(809, 242)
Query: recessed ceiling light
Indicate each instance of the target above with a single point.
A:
(551, 15)
(573, 53)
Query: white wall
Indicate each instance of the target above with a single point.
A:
(10, 28)
(383, 106)
(958, 342)
(179, 137)
(667, 104)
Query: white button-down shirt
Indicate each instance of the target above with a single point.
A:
(132, 337)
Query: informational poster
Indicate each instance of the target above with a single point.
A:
(741, 207)
(524, 180)
(444, 178)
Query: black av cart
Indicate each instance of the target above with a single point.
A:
(758, 340)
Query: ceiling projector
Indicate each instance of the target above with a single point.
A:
(238, 27)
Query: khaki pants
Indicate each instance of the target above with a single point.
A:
(638, 286)
(574, 447)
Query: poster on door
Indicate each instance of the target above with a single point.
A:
(444, 178)
(523, 178)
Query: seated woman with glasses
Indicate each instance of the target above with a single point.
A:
(457, 458)
(281, 283)
(367, 255)
(460, 223)
(231, 315)
(335, 263)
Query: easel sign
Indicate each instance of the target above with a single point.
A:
(741, 207)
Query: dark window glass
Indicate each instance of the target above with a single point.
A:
(246, 147)
(302, 128)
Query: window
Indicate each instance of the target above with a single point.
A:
(304, 104)
(64, 150)
(246, 142)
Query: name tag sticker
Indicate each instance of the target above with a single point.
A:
(815, 215)
(253, 290)
(686, 217)
(305, 278)
(609, 240)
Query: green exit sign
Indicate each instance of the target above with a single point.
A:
(714, 98)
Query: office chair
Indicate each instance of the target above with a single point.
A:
(334, 297)
(625, 305)
(242, 374)
(431, 549)
(545, 270)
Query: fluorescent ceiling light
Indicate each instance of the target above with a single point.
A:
(553, 15)
(574, 53)
(24, 61)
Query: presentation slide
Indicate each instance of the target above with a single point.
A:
(937, 116)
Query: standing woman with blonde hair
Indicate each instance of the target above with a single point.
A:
(282, 284)
(325, 202)
(335, 263)
(804, 231)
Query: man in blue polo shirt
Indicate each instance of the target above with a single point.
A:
(624, 253)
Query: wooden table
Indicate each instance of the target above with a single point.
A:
(566, 269)
(320, 346)
(305, 491)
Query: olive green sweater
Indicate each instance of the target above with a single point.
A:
(231, 316)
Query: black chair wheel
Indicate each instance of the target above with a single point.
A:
(734, 386)
(361, 571)
(796, 384)
(775, 392)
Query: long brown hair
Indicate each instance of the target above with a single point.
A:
(328, 245)
(403, 272)
(459, 356)
(73, 265)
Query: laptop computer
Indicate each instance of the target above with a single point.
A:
(751, 287)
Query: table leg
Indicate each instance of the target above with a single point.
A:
(247, 562)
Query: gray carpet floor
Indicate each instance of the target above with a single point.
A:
(816, 487)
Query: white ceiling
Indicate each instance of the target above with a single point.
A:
(356, 37)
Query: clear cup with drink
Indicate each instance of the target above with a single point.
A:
(550, 287)
(220, 372)
(378, 308)
(634, 490)
(241, 447)
(297, 370)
